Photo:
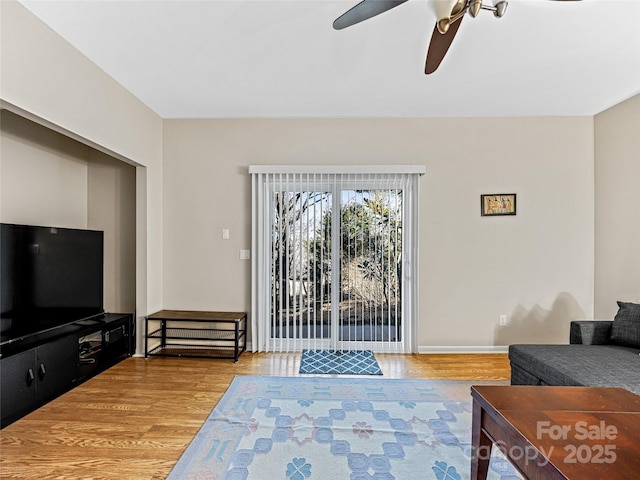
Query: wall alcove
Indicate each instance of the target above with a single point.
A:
(50, 179)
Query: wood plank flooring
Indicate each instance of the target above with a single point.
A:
(135, 420)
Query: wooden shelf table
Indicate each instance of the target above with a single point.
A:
(186, 333)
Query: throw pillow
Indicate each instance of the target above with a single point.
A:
(626, 325)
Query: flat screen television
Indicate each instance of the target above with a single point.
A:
(49, 277)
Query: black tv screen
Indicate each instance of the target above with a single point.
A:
(49, 277)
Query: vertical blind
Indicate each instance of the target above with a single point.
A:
(335, 258)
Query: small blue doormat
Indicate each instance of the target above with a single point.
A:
(353, 362)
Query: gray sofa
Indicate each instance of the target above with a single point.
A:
(600, 353)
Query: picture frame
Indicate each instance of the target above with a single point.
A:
(498, 204)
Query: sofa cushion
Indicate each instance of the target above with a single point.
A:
(626, 325)
(581, 365)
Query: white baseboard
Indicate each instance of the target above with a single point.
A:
(450, 349)
(469, 349)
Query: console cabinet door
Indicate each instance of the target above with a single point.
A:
(18, 381)
(32, 377)
(55, 366)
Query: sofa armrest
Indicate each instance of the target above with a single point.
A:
(590, 332)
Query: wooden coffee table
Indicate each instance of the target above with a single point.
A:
(557, 432)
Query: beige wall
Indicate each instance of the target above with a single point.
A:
(45, 79)
(43, 175)
(46, 76)
(536, 267)
(617, 214)
(111, 186)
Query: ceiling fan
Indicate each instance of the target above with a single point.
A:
(446, 27)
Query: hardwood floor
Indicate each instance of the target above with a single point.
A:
(134, 420)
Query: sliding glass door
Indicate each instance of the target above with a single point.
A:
(333, 262)
(301, 269)
(369, 305)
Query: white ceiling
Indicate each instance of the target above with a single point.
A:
(265, 58)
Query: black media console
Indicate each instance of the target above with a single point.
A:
(36, 368)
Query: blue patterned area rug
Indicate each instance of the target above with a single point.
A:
(320, 428)
(354, 362)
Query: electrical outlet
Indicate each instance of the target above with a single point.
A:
(245, 254)
(503, 320)
(225, 234)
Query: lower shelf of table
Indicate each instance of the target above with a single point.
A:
(195, 351)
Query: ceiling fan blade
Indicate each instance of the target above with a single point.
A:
(439, 45)
(363, 11)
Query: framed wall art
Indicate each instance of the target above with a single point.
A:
(498, 204)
